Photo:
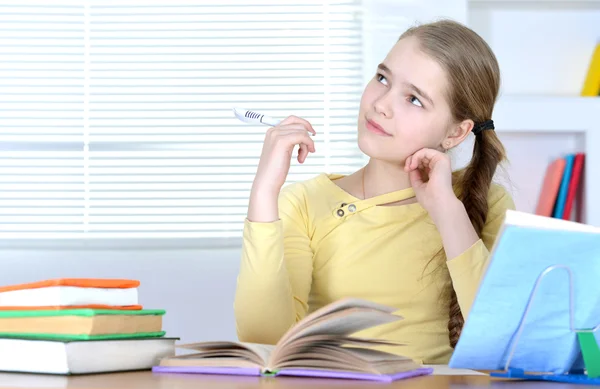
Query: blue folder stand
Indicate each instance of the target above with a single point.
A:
(540, 290)
(574, 376)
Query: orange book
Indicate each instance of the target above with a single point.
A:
(63, 307)
(77, 282)
(550, 187)
(68, 293)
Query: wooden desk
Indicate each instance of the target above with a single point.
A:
(148, 380)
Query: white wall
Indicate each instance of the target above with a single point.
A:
(196, 287)
(543, 47)
(385, 20)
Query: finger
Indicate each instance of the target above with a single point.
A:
(410, 162)
(302, 153)
(416, 179)
(407, 163)
(297, 120)
(428, 156)
(416, 159)
(298, 137)
(293, 127)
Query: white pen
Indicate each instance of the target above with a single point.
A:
(256, 118)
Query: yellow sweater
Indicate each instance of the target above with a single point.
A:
(329, 244)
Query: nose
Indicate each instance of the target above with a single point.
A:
(383, 106)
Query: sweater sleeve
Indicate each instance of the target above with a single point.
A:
(275, 274)
(466, 270)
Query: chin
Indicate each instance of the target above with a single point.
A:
(378, 148)
(365, 146)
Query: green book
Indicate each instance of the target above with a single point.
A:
(78, 312)
(73, 337)
(81, 324)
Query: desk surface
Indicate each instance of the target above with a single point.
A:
(149, 380)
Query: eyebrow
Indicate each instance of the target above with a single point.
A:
(384, 68)
(408, 84)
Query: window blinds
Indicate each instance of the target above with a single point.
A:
(116, 116)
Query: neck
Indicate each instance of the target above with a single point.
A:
(381, 177)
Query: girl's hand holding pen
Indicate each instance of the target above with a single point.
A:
(277, 150)
(275, 160)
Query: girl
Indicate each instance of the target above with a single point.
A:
(402, 231)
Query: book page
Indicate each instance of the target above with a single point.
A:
(345, 323)
(318, 364)
(348, 359)
(342, 340)
(262, 350)
(197, 360)
(257, 353)
(296, 346)
(348, 303)
(334, 308)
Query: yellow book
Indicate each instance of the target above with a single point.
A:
(591, 86)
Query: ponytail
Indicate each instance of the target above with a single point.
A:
(474, 183)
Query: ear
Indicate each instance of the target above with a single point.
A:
(458, 133)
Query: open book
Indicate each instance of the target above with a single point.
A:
(320, 345)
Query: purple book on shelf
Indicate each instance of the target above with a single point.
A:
(294, 373)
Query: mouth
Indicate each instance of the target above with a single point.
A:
(376, 128)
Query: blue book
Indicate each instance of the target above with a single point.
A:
(530, 268)
(561, 199)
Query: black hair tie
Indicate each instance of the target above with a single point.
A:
(486, 125)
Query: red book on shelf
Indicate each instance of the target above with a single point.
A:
(550, 187)
(573, 185)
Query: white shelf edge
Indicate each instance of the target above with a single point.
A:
(531, 4)
(523, 2)
(546, 113)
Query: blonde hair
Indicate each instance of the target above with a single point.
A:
(474, 80)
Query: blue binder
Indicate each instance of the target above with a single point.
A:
(540, 289)
(561, 199)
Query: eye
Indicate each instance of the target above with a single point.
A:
(381, 78)
(415, 101)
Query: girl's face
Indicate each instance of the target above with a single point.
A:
(403, 108)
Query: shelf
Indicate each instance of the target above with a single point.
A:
(531, 123)
(546, 114)
(567, 3)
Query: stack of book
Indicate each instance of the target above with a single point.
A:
(79, 325)
(562, 189)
